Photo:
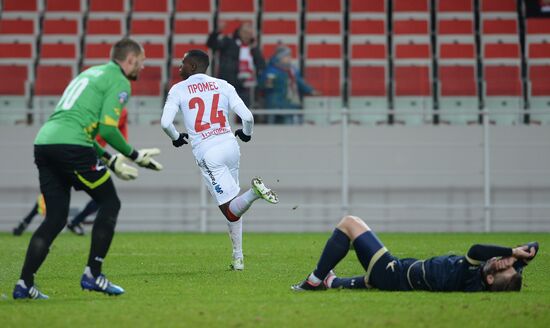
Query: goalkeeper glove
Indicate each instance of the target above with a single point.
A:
(239, 133)
(181, 140)
(123, 171)
(144, 158)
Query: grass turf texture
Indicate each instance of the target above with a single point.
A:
(182, 280)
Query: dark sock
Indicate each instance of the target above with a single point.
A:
(28, 219)
(336, 248)
(90, 209)
(104, 226)
(349, 283)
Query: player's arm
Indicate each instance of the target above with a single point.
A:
(169, 112)
(115, 99)
(237, 105)
(481, 253)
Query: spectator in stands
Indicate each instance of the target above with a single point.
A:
(283, 86)
(240, 59)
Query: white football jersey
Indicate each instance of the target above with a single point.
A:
(205, 103)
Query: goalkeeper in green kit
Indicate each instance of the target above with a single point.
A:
(66, 156)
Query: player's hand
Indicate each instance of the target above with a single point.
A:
(239, 133)
(522, 252)
(145, 159)
(181, 140)
(123, 171)
(505, 263)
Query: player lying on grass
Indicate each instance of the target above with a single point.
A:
(205, 103)
(484, 268)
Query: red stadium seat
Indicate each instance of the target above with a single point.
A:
(368, 51)
(455, 27)
(376, 75)
(186, 6)
(539, 76)
(367, 27)
(454, 51)
(18, 27)
(367, 7)
(148, 27)
(500, 27)
(455, 7)
(498, 6)
(502, 80)
(65, 6)
(155, 50)
(61, 26)
(97, 27)
(412, 81)
(237, 6)
(186, 26)
(538, 26)
(280, 27)
(150, 81)
(324, 6)
(13, 79)
(18, 6)
(407, 7)
(52, 80)
(326, 79)
(501, 51)
(17, 51)
(281, 6)
(324, 51)
(412, 51)
(411, 27)
(116, 7)
(151, 7)
(538, 51)
(97, 52)
(59, 51)
(174, 75)
(458, 81)
(323, 27)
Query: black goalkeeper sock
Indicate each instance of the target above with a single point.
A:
(336, 249)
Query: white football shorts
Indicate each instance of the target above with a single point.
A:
(220, 170)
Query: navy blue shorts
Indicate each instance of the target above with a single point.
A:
(384, 271)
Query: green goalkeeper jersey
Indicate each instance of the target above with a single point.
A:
(92, 99)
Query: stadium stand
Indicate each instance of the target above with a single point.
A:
(339, 44)
(323, 59)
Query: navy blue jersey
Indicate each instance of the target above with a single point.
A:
(453, 273)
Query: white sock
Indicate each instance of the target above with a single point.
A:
(313, 279)
(88, 272)
(236, 235)
(21, 283)
(242, 203)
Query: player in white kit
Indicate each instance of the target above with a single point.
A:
(205, 103)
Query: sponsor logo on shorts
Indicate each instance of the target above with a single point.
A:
(216, 186)
(98, 166)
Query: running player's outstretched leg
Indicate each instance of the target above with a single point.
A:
(236, 208)
(108, 202)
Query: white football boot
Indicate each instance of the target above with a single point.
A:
(237, 264)
(264, 192)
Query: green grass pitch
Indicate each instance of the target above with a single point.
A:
(182, 280)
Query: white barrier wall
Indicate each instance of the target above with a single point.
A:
(400, 179)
